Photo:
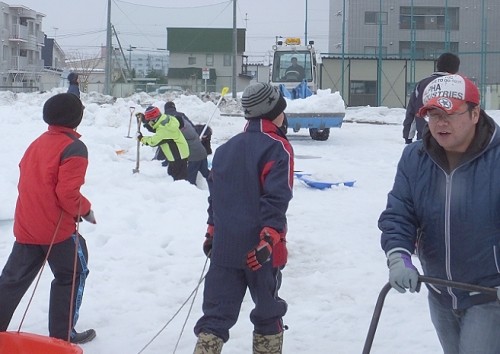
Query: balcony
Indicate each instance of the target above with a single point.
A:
(22, 64)
(19, 33)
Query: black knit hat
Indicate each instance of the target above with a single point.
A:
(72, 77)
(262, 101)
(170, 105)
(64, 109)
(448, 62)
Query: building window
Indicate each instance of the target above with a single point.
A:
(425, 49)
(374, 18)
(363, 87)
(363, 93)
(374, 50)
(429, 18)
(228, 59)
(191, 60)
(210, 60)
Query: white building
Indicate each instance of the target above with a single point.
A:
(22, 40)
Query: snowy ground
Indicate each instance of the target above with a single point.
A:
(145, 251)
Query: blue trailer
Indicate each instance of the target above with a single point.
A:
(295, 73)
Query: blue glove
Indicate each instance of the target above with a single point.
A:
(402, 273)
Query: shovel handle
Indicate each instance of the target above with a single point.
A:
(422, 279)
(459, 285)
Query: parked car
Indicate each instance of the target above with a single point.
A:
(165, 89)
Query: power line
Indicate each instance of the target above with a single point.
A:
(172, 7)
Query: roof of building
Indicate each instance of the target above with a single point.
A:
(204, 40)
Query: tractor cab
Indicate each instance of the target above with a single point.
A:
(294, 63)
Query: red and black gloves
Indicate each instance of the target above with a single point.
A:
(262, 253)
(209, 237)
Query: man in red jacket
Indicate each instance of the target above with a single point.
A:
(48, 207)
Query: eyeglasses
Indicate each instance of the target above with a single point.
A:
(435, 116)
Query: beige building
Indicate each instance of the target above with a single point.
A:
(413, 30)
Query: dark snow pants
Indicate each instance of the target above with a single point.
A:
(194, 167)
(178, 169)
(21, 269)
(224, 292)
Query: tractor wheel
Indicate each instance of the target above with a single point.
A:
(319, 134)
(284, 126)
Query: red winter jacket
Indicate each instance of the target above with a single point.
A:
(52, 171)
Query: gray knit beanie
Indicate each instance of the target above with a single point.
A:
(262, 101)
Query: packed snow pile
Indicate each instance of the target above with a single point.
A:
(323, 102)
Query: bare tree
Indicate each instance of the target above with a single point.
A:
(84, 65)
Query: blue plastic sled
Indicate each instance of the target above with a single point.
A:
(321, 184)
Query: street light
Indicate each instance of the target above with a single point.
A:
(130, 58)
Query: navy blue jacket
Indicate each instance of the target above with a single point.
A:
(414, 105)
(74, 89)
(251, 184)
(451, 218)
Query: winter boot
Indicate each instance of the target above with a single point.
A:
(270, 344)
(208, 344)
(82, 337)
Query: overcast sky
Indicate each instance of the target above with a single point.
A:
(81, 25)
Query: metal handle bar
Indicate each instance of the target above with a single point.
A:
(421, 279)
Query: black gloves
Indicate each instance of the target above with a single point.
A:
(408, 141)
(209, 237)
(90, 217)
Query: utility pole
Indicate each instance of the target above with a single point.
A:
(235, 49)
(107, 70)
(130, 59)
(305, 29)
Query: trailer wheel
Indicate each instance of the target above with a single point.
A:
(284, 126)
(319, 134)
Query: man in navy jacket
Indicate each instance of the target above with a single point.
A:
(250, 186)
(445, 206)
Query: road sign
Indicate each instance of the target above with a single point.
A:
(205, 73)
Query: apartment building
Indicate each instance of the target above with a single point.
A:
(22, 41)
(417, 30)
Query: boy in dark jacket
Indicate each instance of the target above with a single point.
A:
(52, 171)
(447, 63)
(250, 186)
(73, 84)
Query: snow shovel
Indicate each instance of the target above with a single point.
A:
(136, 169)
(132, 109)
(421, 279)
(225, 89)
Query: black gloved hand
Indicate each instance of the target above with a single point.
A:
(209, 238)
(89, 217)
(139, 136)
(408, 141)
(140, 116)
